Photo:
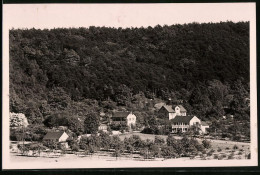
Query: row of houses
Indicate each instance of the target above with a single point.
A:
(177, 115)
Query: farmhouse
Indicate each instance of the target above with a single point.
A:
(56, 136)
(124, 117)
(183, 123)
(171, 112)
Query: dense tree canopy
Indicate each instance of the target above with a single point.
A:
(77, 71)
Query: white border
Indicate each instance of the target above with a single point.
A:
(12, 14)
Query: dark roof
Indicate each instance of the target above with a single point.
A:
(168, 108)
(53, 135)
(103, 124)
(182, 109)
(204, 123)
(121, 114)
(184, 119)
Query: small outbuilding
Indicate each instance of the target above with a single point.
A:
(56, 136)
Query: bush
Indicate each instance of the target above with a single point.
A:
(75, 147)
(219, 149)
(168, 152)
(220, 157)
(235, 147)
(209, 153)
(240, 153)
(212, 150)
(227, 148)
(151, 130)
(223, 156)
(249, 156)
(206, 144)
(231, 156)
(237, 138)
(215, 156)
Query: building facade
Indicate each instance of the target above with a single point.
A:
(56, 136)
(184, 123)
(127, 118)
(171, 112)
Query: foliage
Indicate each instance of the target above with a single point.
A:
(71, 71)
(18, 120)
(206, 144)
(91, 123)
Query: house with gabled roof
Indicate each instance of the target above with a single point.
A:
(171, 112)
(124, 117)
(56, 136)
(183, 123)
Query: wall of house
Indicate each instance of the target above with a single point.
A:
(183, 127)
(195, 120)
(183, 113)
(204, 129)
(131, 119)
(177, 110)
(63, 137)
(172, 116)
(164, 112)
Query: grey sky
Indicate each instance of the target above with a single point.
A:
(122, 15)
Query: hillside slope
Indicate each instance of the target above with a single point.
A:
(71, 71)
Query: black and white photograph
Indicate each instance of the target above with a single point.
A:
(129, 85)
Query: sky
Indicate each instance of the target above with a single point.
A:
(122, 15)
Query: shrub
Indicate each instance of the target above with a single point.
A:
(235, 147)
(200, 147)
(212, 150)
(223, 155)
(231, 156)
(227, 148)
(237, 138)
(220, 157)
(209, 153)
(168, 152)
(219, 149)
(206, 144)
(215, 156)
(240, 153)
(203, 158)
(75, 147)
(249, 156)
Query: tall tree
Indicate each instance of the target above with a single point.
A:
(91, 123)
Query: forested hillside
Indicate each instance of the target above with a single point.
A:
(69, 72)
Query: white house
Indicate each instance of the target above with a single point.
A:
(124, 117)
(56, 136)
(183, 123)
(171, 112)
